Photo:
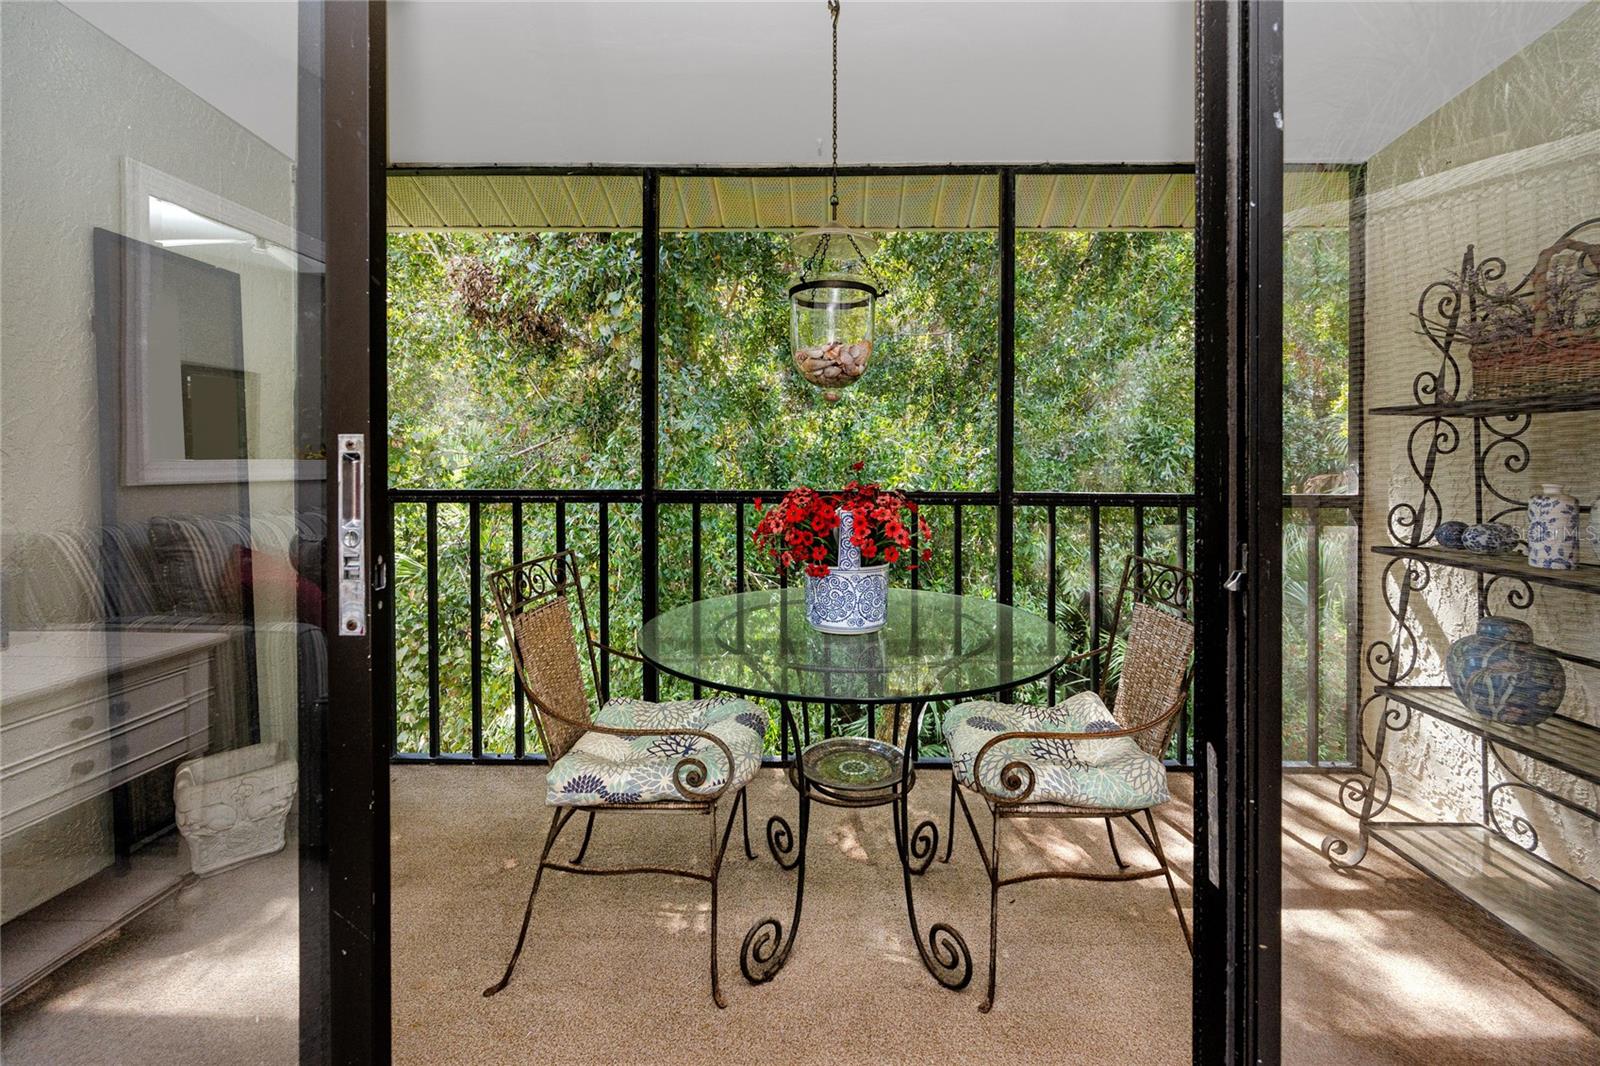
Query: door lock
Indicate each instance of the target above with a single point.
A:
(352, 535)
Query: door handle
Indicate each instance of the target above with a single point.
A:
(352, 535)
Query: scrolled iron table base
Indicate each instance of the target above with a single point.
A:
(766, 946)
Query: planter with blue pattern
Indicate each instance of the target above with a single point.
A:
(852, 598)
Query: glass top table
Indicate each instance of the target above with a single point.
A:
(934, 646)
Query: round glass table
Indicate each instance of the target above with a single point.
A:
(865, 693)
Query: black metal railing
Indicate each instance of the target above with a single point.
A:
(453, 681)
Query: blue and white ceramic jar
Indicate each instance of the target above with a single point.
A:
(1503, 675)
(1553, 529)
(852, 598)
(1449, 534)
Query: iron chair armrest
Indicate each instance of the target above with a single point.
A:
(608, 649)
(688, 775)
(1018, 775)
(1082, 655)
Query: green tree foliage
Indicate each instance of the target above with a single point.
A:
(514, 362)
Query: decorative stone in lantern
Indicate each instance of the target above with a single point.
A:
(832, 306)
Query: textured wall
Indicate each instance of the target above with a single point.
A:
(1507, 166)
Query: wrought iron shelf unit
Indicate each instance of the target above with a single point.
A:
(1549, 907)
(1525, 772)
(1584, 579)
(1559, 741)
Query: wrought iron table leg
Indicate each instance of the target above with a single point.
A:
(944, 952)
(950, 823)
(766, 947)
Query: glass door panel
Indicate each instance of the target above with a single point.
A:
(163, 663)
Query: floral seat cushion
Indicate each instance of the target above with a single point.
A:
(602, 769)
(1112, 774)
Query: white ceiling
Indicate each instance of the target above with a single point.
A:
(747, 83)
(924, 82)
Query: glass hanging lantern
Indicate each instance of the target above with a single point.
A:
(832, 302)
(832, 307)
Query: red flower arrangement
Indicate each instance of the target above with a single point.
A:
(801, 532)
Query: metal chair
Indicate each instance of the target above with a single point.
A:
(631, 756)
(1095, 755)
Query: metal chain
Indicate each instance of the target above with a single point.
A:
(833, 198)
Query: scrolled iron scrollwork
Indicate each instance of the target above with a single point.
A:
(1522, 833)
(1365, 797)
(1439, 314)
(1518, 591)
(923, 845)
(1392, 661)
(1414, 523)
(782, 843)
(762, 954)
(1507, 451)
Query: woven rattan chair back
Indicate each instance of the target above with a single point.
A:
(1155, 674)
(533, 601)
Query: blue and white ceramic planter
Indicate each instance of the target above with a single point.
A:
(1553, 530)
(1503, 675)
(852, 598)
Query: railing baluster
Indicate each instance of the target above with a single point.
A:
(1138, 530)
(1314, 639)
(1050, 583)
(605, 600)
(955, 549)
(433, 630)
(696, 583)
(694, 551)
(475, 610)
(520, 727)
(1183, 561)
(561, 525)
(738, 546)
(1094, 593)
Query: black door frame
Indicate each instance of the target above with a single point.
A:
(1238, 425)
(344, 842)
(1239, 528)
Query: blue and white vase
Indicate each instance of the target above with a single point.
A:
(1553, 530)
(1503, 675)
(852, 598)
(1449, 534)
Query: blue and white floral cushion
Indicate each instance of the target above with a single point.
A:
(601, 769)
(1112, 774)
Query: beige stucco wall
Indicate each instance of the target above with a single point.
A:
(1507, 166)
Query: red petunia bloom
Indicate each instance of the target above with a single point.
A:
(891, 554)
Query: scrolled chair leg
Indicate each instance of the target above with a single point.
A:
(583, 849)
(558, 821)
(1111, 835)
(744, 813)
(994, 913)
(1172, 887)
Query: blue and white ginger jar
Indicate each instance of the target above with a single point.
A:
(1503, 675)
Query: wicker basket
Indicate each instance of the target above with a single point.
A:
(1551, 364)
(1547, 362)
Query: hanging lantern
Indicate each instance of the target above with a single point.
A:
(834, 298)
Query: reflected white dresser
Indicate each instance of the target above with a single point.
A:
(83, 711)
